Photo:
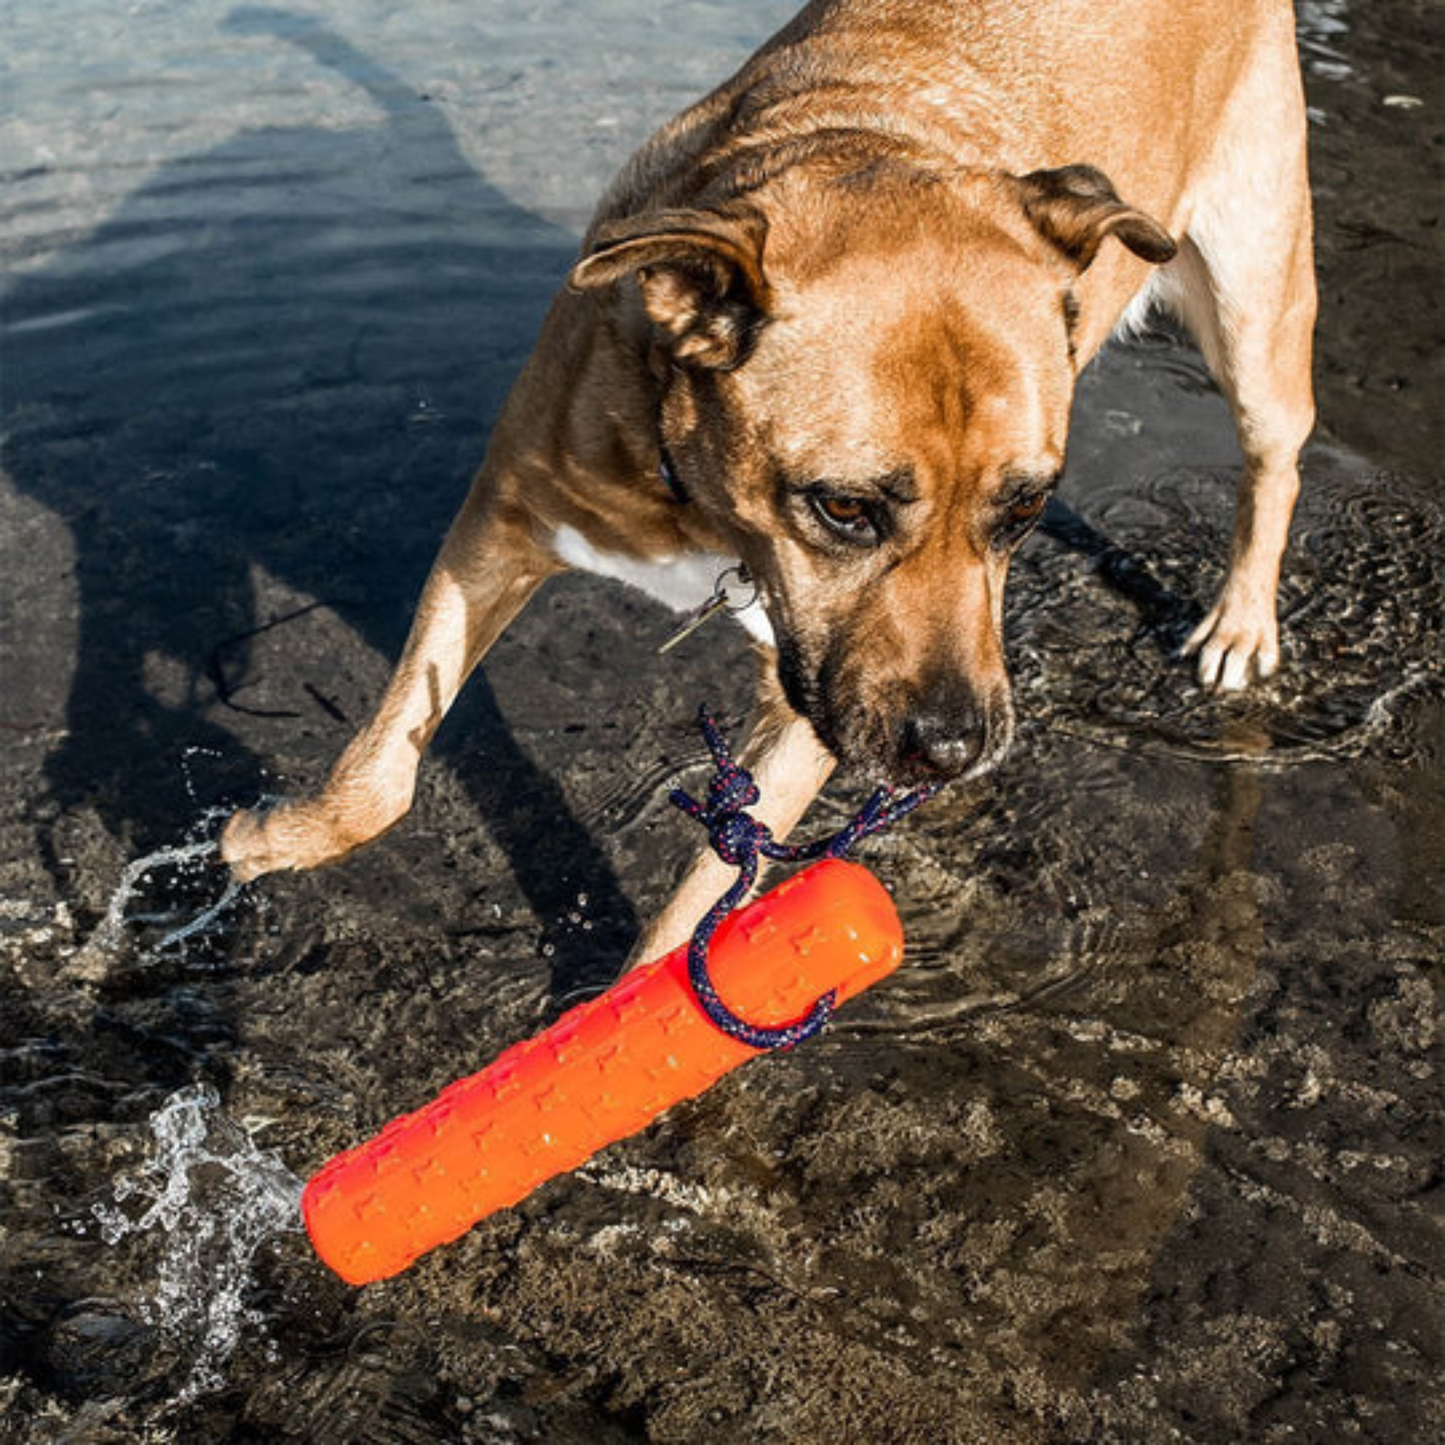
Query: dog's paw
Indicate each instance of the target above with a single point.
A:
(273, 840)
(1237, 643)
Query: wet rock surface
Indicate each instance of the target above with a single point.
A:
(1141, 1142)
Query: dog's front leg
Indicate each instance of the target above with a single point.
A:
(488, 566)
(790, 767)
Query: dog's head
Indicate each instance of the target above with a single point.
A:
(867, 384)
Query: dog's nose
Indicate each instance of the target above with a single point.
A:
(939, 745)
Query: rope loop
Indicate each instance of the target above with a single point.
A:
(740, 840)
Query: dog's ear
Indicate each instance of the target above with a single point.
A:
(700, 276)
(1076, 207)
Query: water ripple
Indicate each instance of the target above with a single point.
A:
(1360, 607)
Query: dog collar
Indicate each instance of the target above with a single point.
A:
(668, 473)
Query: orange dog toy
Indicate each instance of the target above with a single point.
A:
(602, 1072)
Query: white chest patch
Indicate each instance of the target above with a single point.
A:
(681, 583)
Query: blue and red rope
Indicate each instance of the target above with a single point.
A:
(741, 840)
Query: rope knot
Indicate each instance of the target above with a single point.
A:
(736, 836)
(731, 790)
(740, 840)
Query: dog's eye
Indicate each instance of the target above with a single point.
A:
(1020, 517)
(850, 517)
(1027, 509)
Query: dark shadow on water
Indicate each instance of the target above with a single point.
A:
(277, 356)
(1162, 612)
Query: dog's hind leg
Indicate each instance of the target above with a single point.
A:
(488, 566)
(1244, 284)
(790, 766)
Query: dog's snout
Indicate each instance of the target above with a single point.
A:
(942, 745)
(951, 730)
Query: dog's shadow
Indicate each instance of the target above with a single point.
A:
(277, 356)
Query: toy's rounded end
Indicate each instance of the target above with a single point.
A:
(340, 1232)
(831, 928)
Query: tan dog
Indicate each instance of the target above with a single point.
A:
(840, 305)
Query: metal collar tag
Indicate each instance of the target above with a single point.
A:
(734, 591)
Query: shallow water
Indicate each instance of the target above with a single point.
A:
(1136, 1146)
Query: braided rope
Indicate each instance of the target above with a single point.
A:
(740, 840)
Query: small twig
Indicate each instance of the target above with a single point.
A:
(216, 668)
(325, 703)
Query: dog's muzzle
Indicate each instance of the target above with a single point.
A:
(963, 738)
(946, 731)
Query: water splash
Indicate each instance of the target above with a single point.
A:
(1321, 25)
(112, 927)
(210, 1198)
(191, 862)
(188, 759)
(201, 922)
